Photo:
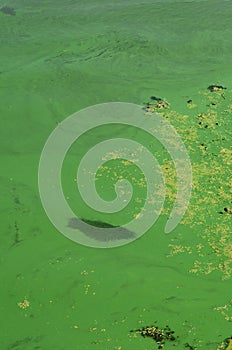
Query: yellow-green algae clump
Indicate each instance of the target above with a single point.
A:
(205, 130)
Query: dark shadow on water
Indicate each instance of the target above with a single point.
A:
(8, 10)
(100, 231)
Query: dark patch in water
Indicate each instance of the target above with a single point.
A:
(213, 88)
(20, 343)
(7, 10)
(103, 233)
(16, 234)
(27, 342)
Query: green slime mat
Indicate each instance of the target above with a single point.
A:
(58, 58)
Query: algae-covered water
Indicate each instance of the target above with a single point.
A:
(58, 58)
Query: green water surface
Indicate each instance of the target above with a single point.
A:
(57, 58)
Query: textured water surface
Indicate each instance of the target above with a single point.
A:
(57, 58)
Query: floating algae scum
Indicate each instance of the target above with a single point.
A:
(205, 254)
(210, 153)
(172, 58)
(219, 244)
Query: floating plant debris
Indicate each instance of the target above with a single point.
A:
(159, 335)
(23, 304)
(226, 344)
(160, 104)
(214, 88)
(228, 210)
(154, 98)
(188, 346)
